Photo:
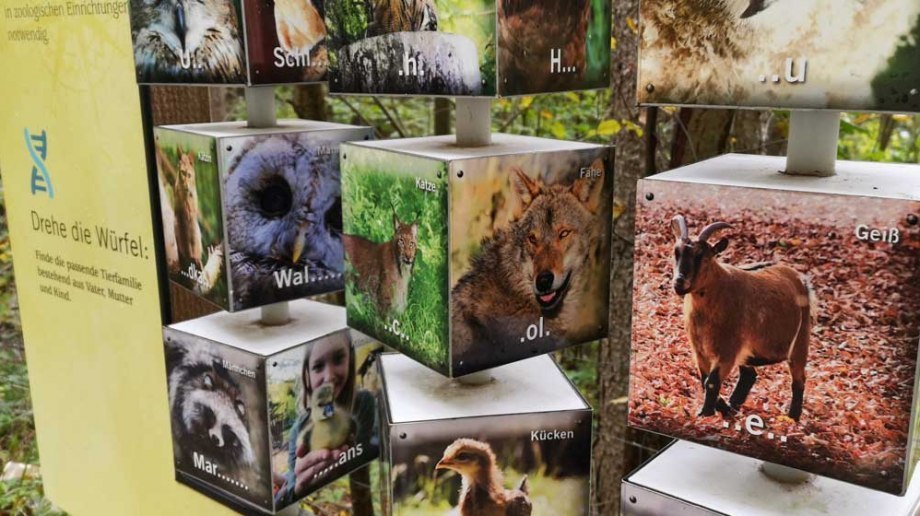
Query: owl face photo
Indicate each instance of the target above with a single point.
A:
(283, 212)
(286, 41)
(187, 41)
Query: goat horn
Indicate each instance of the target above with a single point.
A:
(679, 227)
(709, 230)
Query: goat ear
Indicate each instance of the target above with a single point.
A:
(720, 246)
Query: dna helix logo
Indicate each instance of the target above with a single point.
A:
(38, 150)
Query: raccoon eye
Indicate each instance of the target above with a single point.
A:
(564, 233)
(208, 381)
(532, 239)
(240, 408)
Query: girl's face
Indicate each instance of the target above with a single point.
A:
(328, 364)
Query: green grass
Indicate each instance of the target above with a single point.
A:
(373, 188)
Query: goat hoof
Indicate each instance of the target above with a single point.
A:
(706, 412)
(725, 409)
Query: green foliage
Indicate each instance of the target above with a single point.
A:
(346, 21)
(885, 138)
(372, 191)
(598, 51)
(902, 75)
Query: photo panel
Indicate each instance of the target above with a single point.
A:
(286, 41)
(833, 54)
(805, 306)
(530, 254)
(217, 409)
(188, 42)
(322, 406)
(553, 45)
(190, 207)
(283, 211)
(415, 47)
(395, 238)
(537, 464)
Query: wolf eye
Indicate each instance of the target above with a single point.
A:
(564, 233)
(532, 239)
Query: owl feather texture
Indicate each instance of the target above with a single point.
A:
(283, 212)
(187, 41)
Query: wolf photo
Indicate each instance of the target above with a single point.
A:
(835, 54)
(780, 325)
(179, 41)
(283, 211)
(218, 416)
(190, 208)
(395, 238)
(322, 414)
(506, 465)
(286, 41)
(530, 255)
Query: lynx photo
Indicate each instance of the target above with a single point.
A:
(788, 335)
(395, 238)
(530, 254)
(836, 54)
(218, 416)
(283, 210)
(193, 231)
(470, 466)
(322, 414)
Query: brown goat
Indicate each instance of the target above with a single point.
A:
(740, 317)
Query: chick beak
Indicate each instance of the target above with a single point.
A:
(444, 464)
(300, 243)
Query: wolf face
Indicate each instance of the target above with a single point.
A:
(538, 268)
(549, 235)
(208, 413)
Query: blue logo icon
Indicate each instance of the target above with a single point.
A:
(38, 149)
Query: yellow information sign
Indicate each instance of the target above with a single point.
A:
(75, 181)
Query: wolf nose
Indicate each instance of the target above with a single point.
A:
(545, 281)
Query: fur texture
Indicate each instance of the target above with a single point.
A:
(403, 16)
(714, 51)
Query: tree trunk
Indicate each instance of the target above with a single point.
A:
(610, 449)
(443, 111)
(309, 101)
(700, 134)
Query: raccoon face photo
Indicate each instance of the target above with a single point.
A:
(187, 41)
(284, 220)
(209, 412)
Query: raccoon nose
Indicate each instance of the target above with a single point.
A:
(216, 438)
(545, 281)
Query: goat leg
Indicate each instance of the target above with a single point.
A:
(712, 385)
(798, 396)
(747, 377)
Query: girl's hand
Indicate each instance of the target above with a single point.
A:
(309, 464)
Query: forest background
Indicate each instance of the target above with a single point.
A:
(649, 140)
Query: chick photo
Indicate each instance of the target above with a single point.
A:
(493, 467)
(323, 423)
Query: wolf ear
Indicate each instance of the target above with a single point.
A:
(524, 191)
(588, 189)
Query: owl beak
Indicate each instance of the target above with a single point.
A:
(300, 243)
(181, 27)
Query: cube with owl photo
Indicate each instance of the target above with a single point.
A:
(253, 217)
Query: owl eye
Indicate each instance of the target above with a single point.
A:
(275, 199)
(334, 216)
